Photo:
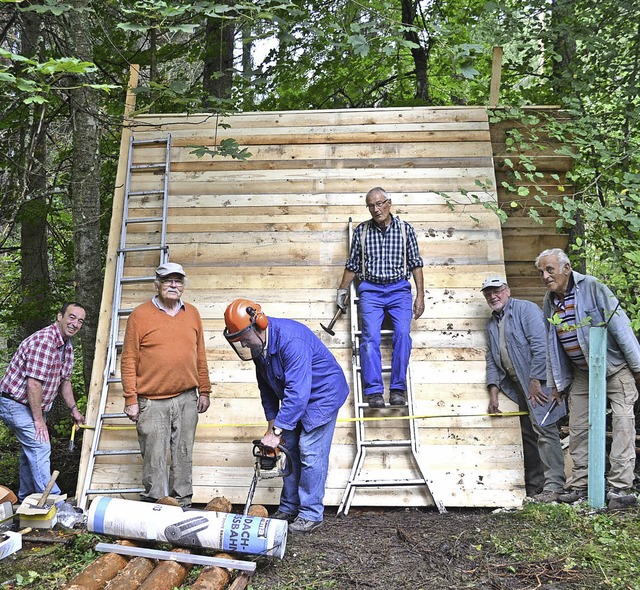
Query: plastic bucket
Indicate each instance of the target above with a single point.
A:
(188, 528)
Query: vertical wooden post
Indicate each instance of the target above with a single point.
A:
(496, 74)
(102, 338)
(597, 414)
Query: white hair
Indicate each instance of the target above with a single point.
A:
(559, 253)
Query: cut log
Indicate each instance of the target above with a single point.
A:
(168, 501)
(167, 574)
(132, 576)
(100, 571)
(219, 504)
(213, 577)
(242, 580)
(258, 510)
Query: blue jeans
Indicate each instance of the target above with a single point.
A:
(303, 490)
(35, 467)
(375, 300)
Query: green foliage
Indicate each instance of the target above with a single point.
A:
(606, 543)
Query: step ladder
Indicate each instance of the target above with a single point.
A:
(365, 446)
(114, 346)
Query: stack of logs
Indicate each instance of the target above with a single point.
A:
(112, 571)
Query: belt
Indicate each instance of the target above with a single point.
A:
(13, 399)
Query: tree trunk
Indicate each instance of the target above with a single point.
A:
(420, 53)
(34, 269)
(85, 187)
(217, 72)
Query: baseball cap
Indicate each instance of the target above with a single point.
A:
(170, 268)
(493, 281)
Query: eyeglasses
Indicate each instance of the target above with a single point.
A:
(377, 205)
(176, 282)
(490, 294)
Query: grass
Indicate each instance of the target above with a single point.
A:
(607, 544)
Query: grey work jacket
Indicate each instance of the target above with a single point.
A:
(525, 339)
(594, 305)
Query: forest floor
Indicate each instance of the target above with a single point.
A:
(547, 547)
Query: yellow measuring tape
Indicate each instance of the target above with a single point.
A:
(341, 420)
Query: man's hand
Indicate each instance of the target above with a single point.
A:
(557, 396)
(418, 307)
(270, 440)
(494, 404)
(133, 412)
(341, 299)
(203, 403)
(536, 395)
(77, 416)
(42, 434)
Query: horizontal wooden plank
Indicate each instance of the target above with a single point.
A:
(276, 119)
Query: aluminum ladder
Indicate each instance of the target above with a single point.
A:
(365, 445)
(114, 346)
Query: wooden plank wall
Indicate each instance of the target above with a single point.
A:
(274, 229)
(524, 237)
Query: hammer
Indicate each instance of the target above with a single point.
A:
(329, 328)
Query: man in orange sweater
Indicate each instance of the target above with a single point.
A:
(166, 384)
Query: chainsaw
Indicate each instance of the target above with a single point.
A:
(269, 463)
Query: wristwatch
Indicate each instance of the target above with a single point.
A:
(277, 431)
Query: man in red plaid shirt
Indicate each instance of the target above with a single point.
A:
(39, 369)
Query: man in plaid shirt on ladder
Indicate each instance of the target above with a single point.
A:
(384, 254)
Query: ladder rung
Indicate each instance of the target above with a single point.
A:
(147, 192)
(114, 380)
(142, 249)
(122, 452)
(385, 368)
(114, 415)
(365, 405)
(382, 333)
(143, 220)
(148, 141)
(148, 166)
(387, 483)
(103, 491)
(386, 443)
(124, 311)
(137, 279)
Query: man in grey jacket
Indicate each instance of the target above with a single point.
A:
(516, 365)
(573, 304)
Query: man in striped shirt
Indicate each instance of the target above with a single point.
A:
(39, 369)
(573, 304)
(384, 254)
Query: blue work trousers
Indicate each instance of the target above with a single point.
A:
(35, 467)
(375, 300)
(303, 490)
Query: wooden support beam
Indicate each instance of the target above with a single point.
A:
(496, 74)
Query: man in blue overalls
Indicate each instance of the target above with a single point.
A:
(384, 254)
(302, 387)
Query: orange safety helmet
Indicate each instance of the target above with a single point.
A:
(240, 315)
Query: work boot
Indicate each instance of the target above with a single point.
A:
(279, 515)
(302, 525)
(573, 495)
(618, 498)
(375, 400)
(545, 497)
(397, 398)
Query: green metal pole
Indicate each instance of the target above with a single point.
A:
(597, 414)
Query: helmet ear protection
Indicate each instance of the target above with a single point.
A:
(258, 318)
